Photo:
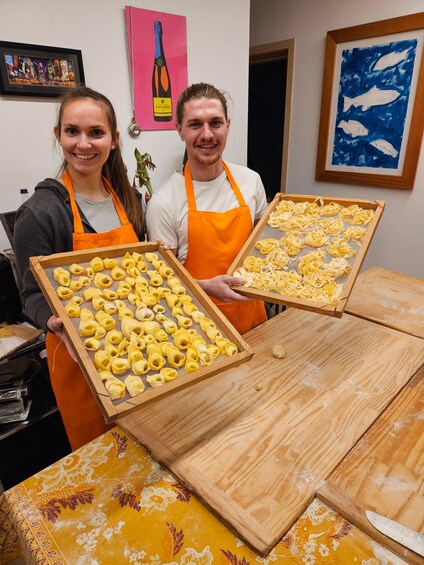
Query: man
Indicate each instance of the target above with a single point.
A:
(206, 211)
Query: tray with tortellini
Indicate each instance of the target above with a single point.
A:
(139, 325)
(306, 251)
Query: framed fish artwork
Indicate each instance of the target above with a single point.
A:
(372, 106)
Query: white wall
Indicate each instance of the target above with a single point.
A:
(400, 235)
(218, 53)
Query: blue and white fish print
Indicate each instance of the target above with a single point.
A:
(372, 103)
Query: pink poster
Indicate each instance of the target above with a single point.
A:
(157, 50)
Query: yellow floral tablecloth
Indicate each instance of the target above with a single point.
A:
(111, 503)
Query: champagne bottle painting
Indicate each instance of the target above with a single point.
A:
(161, 83)
(157, 52)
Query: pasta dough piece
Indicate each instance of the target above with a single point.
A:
(150, 327)
(181, 339)
(125, 312)
(87, 327)
(176, 358)
(97, 264)
(76, 269)
(169, 374)
(62, 276)
(134, 354)
(140, 367)
(114, 337)
(118, 274)
(160, 335)
(155, 380)
(141, 266)
(110, 308)
(89, 273)
(155, 278)
(100, 332)
(134, 384)
(115, 388)
(109, 294)
(131, 326)
(341, 248)
(169, 326)
(102, 360)
(150, 257)
(102, 280)
(73, 310)
(183, 321)
(156, 361)
(165, 271)
(191, 366)
(111, 349)
(119, 366)
(92, 344)
(76, 285)
(109, 263)
(265, 246)
(64, 293)
(123, 347)
(90, 293)
(144, 314)
(128, 261)
(316, 238)
(330, 209)
(86, 314)
(105, 320)
(278, 351)
(105, 375)
(133, 272)
(98, 302)
(213, 350)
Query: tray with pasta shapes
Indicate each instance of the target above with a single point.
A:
(306, 251)
(138, 323)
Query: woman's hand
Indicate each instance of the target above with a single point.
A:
(220, 288)
(55, 325)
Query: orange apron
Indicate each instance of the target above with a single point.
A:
(80, 412)
(228, 231)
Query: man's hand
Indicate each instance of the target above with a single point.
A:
(220, 288)
(55, 325)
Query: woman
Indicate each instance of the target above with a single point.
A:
(93, 206)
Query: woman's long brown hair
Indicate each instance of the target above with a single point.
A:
(114, 169)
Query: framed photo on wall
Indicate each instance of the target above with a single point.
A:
(372, 106)
(37, 70)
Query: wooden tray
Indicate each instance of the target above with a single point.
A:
(391, 299)
(43, 268)
(264, 231)
(384, 472)
(255, 442)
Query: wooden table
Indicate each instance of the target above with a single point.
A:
(255, 441)
(117, 476)
(111, 503)
(391, 299)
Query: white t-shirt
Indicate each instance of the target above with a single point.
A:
(166, 214)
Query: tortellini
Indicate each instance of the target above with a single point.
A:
(288, 264)
(138, 323)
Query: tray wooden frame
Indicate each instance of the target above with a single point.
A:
(313, 306)
(112, 410)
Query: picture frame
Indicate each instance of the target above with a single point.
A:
(372, 105)
(39, 70)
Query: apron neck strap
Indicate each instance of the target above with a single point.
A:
(78, 227)
(191, 200)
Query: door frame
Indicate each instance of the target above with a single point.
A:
(269, 52)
